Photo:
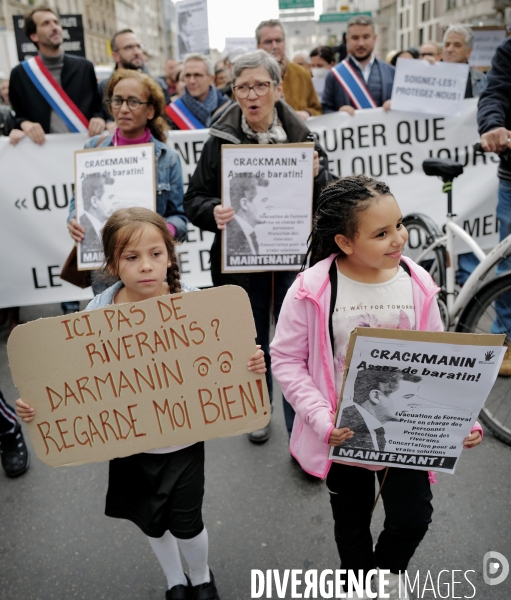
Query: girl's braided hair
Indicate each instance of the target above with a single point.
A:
(120, 229)
(338, 212)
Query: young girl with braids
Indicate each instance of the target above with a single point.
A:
(357, 278)
(161, 490)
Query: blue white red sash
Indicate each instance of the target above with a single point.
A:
(353, 85)
(182, 116)
(56, 97)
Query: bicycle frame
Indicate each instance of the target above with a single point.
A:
(487, 261)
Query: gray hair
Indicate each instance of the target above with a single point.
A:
(361, 20)
(304, 55)
(268, 23)
(198, 56)
(463, 30)
(253, 60)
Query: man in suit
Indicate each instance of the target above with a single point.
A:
(378, 395)
(249, 198)
(76, 76)
(376, 76)
(98, 205)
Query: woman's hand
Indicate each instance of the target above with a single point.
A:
(96, 126)
(24, 411)
(315, 164)
(76, 231)
(349, 109)
(15, 136)
(338, 436)
(256, 362)
(473, 440)
(223, 215)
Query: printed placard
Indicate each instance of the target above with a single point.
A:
(270, 188)
(421, 87)
(192, 27)
(411, 397)
(133, 377)
(107, 179)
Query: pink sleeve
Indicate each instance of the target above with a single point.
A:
(172, 229)
(289, 365)
(477, 427)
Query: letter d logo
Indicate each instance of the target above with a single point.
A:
(491, 567)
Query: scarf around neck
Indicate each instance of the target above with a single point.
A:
(275, 134)
(204, 110)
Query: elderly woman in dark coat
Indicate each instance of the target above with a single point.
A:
(260, 116)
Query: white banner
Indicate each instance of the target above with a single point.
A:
(36, 186)
(392, 146)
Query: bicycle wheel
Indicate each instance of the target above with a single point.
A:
(421, 233)
(489, 311)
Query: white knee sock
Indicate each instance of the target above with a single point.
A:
(167, 553)
(195, 552)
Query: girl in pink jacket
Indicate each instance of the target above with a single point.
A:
(357, 278)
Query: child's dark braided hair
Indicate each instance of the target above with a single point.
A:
(120, 228)
(339, 206)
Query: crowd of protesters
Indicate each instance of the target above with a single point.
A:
(259, 97)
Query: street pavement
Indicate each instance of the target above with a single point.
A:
(261, 512)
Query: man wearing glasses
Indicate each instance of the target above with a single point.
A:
(298, 89)
(201, 102)
(128, 54)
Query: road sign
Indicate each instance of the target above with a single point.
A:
(339, 17)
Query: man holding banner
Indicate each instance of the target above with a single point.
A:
(53, 92)
(361, 80)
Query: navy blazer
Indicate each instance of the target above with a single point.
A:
(78, 81)
(334, 95)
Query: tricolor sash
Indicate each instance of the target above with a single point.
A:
(182, 116)
(56, 97)
(353, 85)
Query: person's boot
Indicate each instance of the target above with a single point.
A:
(259, 436)
(14, 453)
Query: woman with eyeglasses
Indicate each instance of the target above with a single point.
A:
(137, 105)
(260, 116)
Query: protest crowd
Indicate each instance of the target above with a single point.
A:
(353, 256)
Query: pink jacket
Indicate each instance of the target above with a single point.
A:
(302, 357)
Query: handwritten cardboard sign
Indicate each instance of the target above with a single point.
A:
(133, 377)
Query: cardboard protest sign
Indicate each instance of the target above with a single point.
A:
(411, 397)
(106, 179)
(421, 87)
(270, 188)
(128, 378)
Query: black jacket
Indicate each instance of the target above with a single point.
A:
(78, 81)
(494, 108)
(204, 190)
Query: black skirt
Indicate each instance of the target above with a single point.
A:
(159, 492)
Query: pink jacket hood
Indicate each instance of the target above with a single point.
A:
(302, 356)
